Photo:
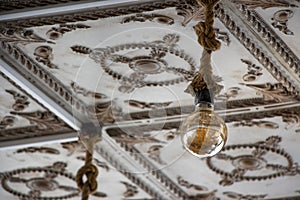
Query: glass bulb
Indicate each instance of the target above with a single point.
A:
(203, 133)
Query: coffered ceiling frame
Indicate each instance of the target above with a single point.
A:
(61, 106)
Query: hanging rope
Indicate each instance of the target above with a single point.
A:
(206, 38)
(90, 171)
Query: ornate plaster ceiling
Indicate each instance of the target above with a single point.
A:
(125, 65)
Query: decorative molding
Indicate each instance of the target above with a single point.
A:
(190, 11)
(143, 105)
(153, 17)
(43, 120)
(91, 14)
(21, 4)
(264, 4)
(238, 196)
(39, 184)
(280, 19)
(230, 93)
(262, 114)
(223, 36)
(7, 121)
(292, 119)
(105, 112)
(253, 72)
(131, 190)
(73, 147)
(149, 64)
(44, 150)
(19, 35)
(44, 180)
(44, 76)
(188, 185)
(273, 92)
(86, 93)
(255, 160)
(19, 97)
(44, 55)
(258, 123)
(57, 32)
(21, 101)
(136, 179)
(154, 154)
(128, 145)
(32, 130)
(132, 139)
(269, 35)
(203, 192)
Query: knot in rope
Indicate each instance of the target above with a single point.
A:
(91, 172)
(204, 79)
(205, 30)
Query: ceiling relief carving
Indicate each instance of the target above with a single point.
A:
(280, 20)
(190, 11)
(44, 55)
(140, 17)
(7, 121)
(146, 65)
(252, 4)
(80, 90)
(131, 190)
(234, 195)
(34, 177)
(127, 66)
(57, 32)
(243, 165)
(21, 101)
(16, 5)
(253, 73)
(46, 150)
(22, 117)
(291, 61)
(20, 35)
(43, 120)
(274, 92)
(260, 123)
(43, 185)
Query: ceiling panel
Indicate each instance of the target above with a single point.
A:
(125, 65)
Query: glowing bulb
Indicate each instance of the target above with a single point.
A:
(203, 133)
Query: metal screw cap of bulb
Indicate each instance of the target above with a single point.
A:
(203, 133)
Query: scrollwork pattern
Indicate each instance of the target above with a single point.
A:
(131, 190)
(7, 121)
(280, 20)
(252, 4)
(273, 92)
(80, 90)
(56, 32)
(21, 101)
(255, 160)
(238, 196)
(44, 55)
(20, 35)
(253, 73)
(153, 17)
(44, 120)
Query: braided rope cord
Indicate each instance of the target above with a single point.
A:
(91, 172)
(207, 38)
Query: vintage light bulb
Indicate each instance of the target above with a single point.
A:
(203, 133)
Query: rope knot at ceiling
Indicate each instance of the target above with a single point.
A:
(90, 171)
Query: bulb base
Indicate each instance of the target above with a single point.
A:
(204, 95)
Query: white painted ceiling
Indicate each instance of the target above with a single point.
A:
(124, 65)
